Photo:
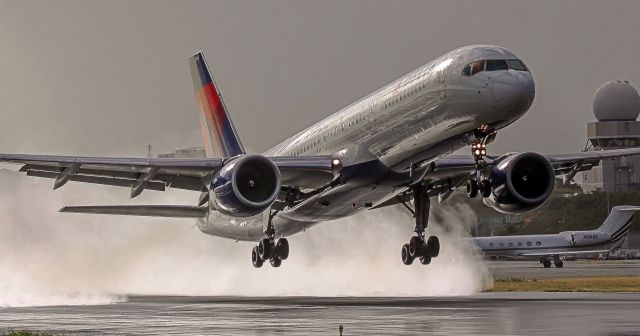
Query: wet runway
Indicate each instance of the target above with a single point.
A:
(484, 314)
(481, 314)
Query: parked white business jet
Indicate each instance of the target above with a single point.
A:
(608, 237)
(388, 148)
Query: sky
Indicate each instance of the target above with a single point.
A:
(111, 77)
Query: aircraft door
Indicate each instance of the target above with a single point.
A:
(442, 84)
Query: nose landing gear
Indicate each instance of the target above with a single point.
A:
(480, 139)
(419, 246)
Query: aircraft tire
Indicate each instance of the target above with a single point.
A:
(546, 263)
(433, 247)
(265, 249)
(282, 249)
(255, 258)
(485, 188)
(472, 188)
(407, 259)
(276, 262)
(425, 260)
(416, 246)
(559, 264)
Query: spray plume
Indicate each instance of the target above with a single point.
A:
(48, 258)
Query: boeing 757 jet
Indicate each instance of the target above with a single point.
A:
(391, 147)
(608, 237)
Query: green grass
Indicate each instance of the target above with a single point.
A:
(586, 284)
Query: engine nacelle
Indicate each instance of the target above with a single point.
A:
(246, 186)
(520, 183)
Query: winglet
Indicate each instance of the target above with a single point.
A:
(219, 134)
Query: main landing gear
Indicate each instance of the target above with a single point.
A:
(547, 263)
(480, 139)
(269, 249)
(418, 246)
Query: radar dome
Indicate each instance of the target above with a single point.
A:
(616, 101)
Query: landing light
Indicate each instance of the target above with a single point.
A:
(336, 165)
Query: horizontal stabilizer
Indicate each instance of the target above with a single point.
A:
(177, 211)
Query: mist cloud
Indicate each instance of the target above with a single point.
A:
(51, 258)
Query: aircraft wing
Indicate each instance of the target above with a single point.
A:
(140, 174)
(453, 171)
(563, 164)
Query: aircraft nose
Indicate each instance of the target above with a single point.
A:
(513, 91)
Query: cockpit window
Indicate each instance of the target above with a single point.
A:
(476, 67)
(517, 65)
(495, 65)
(466, 71)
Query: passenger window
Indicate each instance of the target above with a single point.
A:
(501, 244)
(529, 244)
(491, 244)
(476, 67)
(519, 243)
(517, 65)
(510, 244)
(466, 71)
(495, 65)
(538, 243)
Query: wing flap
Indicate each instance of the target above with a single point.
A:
(173, 211)
(159, 186)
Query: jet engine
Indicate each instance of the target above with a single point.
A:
(246, 186)
(520, 183)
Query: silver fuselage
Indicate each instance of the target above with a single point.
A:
(426, 114)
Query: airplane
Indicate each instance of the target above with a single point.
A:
(391, 147)
(608, 237)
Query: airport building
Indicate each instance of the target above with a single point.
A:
(616, 106)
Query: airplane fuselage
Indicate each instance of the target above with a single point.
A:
(563, 243)
(386, 139)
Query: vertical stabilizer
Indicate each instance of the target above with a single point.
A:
(618, 223)
(219, 135)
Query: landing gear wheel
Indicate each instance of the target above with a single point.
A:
(485, 188)
(282, 249)
(546, 263)
(425, 260)
(265, 249)
(472, 188)
(558, 263)
(416, 246)
(433, 247)
(407, 259)
(255, 258)
(275, 262)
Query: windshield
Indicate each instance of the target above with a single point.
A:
(493, 65)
